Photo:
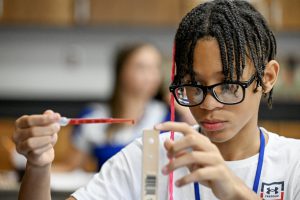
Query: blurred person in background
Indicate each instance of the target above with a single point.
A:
(138, 77)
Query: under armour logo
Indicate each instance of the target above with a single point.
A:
(269, 190)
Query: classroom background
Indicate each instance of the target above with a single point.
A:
(57, 54)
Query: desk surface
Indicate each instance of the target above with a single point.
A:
(62, 185)
(13, 195)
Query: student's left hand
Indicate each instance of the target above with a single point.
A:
(204, 161)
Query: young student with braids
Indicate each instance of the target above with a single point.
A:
(224, 64)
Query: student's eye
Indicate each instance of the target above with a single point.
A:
(225, 87)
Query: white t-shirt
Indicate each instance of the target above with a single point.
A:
(120, 177)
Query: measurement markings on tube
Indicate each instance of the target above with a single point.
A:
(150, 164)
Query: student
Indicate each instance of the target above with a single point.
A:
(137, 80)
(225, 63)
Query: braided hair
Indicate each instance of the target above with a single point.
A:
(241, 31)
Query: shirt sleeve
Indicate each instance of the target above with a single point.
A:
(119, 178)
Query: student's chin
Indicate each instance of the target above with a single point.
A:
(218, 136)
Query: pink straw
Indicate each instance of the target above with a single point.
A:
(172, 107)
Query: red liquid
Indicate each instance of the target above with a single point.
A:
(76, 121)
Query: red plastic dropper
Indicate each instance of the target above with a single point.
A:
(76, 121)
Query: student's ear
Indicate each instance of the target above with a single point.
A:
(270, 75)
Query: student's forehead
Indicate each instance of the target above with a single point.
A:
(216, 75)
(207, 59)
(213, 48)
(207, 50)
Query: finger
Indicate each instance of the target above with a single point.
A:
(189, 142)
(49, 112)
(181, 127)
(178, 154)
(54, 139)
(36, 131)
(27, 121)
(196, 158)
(168, 146)
(202, 175)
(33, 143)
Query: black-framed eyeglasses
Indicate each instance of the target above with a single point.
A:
(227, 92)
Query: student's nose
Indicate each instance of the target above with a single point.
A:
(210, 103)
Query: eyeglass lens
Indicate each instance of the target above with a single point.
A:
(224, 93)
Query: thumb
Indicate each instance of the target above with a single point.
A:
(52, 114)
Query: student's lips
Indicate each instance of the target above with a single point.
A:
(213, 125)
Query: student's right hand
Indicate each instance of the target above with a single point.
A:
(35, 137)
